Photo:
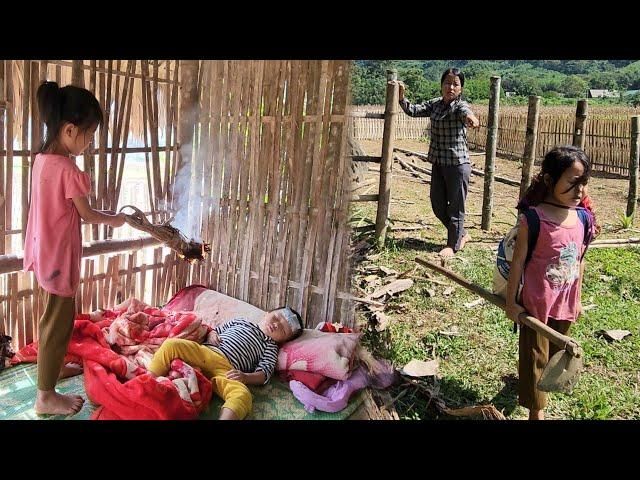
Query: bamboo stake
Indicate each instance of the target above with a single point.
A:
(125, 142)
(531, 139)
(581, 119)
(633, 165)
(26, 71)
(386, 164)
(492, 137)
(8, 203)
(2, 133)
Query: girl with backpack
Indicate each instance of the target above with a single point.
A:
(550, 275)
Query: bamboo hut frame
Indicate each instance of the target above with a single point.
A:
(264, 142)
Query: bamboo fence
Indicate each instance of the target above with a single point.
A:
(607, 132)
(263, 143)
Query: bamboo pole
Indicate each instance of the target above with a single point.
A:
(77, 73)
(531, 140)
(26, 97)
(581, 120)
(492, 142)
(633, 165)
(8, 191)
(2, 182)
(391, 111)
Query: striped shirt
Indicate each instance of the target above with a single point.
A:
(247, 347)
(448, 146)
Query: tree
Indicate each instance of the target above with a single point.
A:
(603, 80)
(574, 86)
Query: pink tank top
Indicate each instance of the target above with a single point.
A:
(552, 275)
(53, 243)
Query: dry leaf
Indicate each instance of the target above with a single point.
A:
(489, 412)
(388, 271)
(394, 287)
(475, 303)
(430, 292)
(606, 278)
(371, 278)
(454, 331)
(447, 291)
(614, 334)
(591, 306)
(418, 368)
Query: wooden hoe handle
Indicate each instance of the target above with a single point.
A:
(562, 341)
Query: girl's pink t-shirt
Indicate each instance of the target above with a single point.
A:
(552, 275)
(53, 242)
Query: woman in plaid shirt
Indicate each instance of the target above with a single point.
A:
(448, 152)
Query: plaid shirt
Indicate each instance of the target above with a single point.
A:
(448, 146)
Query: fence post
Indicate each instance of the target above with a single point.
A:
(77, 73)
(388, 135)
(581, 120)
(531, 139)
(633, 165)
(492, 142)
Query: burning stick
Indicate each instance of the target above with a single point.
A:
(172, 237)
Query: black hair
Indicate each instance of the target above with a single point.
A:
(71, 104)
(299, 332)
(555, 162)
(456, 72)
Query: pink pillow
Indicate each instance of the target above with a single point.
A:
(330, 354)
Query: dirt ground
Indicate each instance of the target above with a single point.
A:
(410, 199)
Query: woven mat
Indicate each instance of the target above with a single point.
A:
(273, 401)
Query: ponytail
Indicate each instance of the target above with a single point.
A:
(69, 104)
(49, 100)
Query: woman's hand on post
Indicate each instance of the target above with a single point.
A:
(401, 88)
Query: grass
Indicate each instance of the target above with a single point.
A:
(479, 366)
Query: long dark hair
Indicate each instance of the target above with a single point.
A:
(555, 162)
(71, 104)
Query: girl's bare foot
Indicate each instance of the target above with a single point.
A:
(536, 414)
(446, 252)
(51, 402)
(70, 370)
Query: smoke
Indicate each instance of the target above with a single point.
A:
(183, 201)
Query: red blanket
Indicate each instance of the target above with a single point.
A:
(119, 383)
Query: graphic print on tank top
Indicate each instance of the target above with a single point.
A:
(565, 268)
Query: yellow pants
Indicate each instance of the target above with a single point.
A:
(212, 364)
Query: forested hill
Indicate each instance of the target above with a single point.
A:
(555, 80)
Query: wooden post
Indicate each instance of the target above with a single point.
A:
(492, 143)
(581, 120)
(187, 112)
(633, 165)
(77, 73)
(531, 139)
(384, 190)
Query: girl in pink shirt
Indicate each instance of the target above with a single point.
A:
(53, 243)
(552, 278)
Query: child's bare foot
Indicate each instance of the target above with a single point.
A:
(446, 252)
(54, 403)
(463, 240)
(536, 414)
(70, 370)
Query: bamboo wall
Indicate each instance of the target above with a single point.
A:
(268, 184)
(607, 138)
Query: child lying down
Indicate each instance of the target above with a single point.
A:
(235, 354)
